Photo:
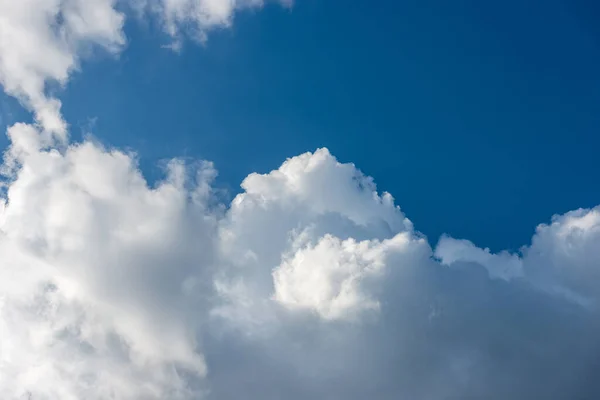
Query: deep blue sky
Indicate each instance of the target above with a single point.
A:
(480, 117)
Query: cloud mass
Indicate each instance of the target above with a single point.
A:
(309, 284)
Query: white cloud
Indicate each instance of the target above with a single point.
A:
(503, 265)
(113, 288)
(40, 42)
(94, 264)
(334, 276)
(563, 257)
(196, 17)
(309, 284)
(296, 207)
(565, 254)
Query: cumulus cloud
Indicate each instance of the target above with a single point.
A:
(562, 258)
(92, 296)
(309, 284)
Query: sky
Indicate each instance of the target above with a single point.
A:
(211, 199)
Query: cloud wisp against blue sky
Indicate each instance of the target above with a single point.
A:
(309, 283)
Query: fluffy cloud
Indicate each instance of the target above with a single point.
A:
(94, 267)
(563, 257)
(503, 265)
(309, 284)
(42, 41)
(334, 277)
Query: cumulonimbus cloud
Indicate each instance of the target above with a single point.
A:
(309, 284)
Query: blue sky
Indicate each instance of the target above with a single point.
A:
(480, 119)
(299, 280)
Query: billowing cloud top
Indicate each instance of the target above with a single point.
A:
(309, 284)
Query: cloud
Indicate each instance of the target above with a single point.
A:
(309, 284)
(503, 265)
(41, 43)
(334, 277)
(563, 257)
(195, 17)
(94, 265)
